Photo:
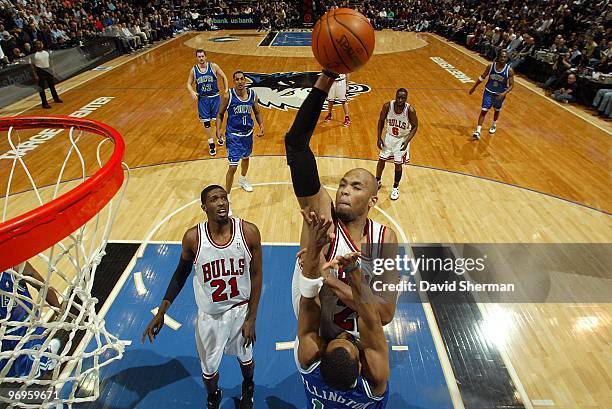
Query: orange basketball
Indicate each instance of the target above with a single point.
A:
(342, 40)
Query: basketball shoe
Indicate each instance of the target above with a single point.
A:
(244, 183)
(493, 129)
(476, 135)
(214, 400)
(246, 400)
(395, 193)
(347, 121)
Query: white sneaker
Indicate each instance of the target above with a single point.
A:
(245, 184)
(493, 129)
(395, 193)
(476, 135)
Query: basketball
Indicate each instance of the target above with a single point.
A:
(343, 40)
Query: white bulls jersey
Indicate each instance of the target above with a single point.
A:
(222, 275)
(335, 316)
(398, 125)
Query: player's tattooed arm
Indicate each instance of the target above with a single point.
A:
(480, 79)
(253, 238)
(381, 125)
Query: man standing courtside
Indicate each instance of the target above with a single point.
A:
(41, 70)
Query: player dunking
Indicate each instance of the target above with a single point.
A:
(348, 227)
(226, 254)
(338, 92)
(401, 123)
(205, 75)
(240, 102)
(499, 84)
(338, 374)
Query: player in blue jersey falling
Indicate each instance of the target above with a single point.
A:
(15, 314)
(205, 75)
(343, 372)
(499, 84)
(240, 103)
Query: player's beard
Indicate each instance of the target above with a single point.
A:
(345, 216)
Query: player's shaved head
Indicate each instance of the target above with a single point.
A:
(356, 194)
(367, 178)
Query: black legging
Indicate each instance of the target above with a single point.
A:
(45, 76)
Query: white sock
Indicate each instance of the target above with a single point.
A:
(493, 124)
(229, 199)
(478, 128)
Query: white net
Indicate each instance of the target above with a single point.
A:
(53, 340)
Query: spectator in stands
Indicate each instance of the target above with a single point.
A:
(567, 90)
(560, 67)
(526, 49)
(3, 58)
(603, 102)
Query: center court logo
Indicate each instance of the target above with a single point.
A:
(287, 90)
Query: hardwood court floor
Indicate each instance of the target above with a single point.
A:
(543, 156)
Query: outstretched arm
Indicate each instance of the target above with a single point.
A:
(176, 284)
(375, 357)
(301, 160)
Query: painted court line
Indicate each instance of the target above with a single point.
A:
(399, 348)
(139, 284)
(284, 345)
(168, 320)
(543, 402)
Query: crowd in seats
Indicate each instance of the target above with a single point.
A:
(576, 33)
(136, 23)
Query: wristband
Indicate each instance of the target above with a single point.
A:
(330, 74)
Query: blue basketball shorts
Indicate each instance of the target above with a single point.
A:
(490, 100)
(238, 147)
(208, 107)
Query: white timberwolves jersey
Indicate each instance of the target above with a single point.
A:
(222, 276)
(398, 125)
(335, 316)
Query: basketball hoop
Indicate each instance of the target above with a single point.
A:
(63, 231)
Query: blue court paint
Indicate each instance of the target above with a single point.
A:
(292, 39)
(166, 374)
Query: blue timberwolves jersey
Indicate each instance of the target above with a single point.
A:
(239, 119)
(19, 310)
(206, 81)
(498, 81)
(320, 396)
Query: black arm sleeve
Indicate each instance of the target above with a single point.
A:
(301, 160)
(178, 279)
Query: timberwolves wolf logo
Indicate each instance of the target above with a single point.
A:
(287, 90)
